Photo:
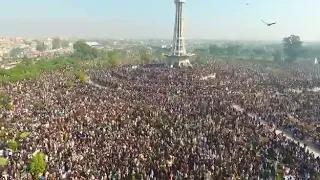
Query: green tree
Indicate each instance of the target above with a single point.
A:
(245, 51)
(145, 57)
(292, 47)
(113, 58)
(216, 50)
(37, 165)
(64, 43)
(159, 53)
(259, 52)
(15, 52)
(13, 145)
(312, 51)
(102, 54)
(84, 51)
(41, 47)
(200, 51)
(277, 55)
(56, 43)
(200, 60)
(26, 42)
(232, 50)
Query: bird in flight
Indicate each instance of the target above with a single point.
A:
(269, 24)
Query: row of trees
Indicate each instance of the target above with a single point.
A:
(236, 50)
(291, 49)
(85, 52)
(83, 57)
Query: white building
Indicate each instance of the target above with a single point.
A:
(93, 44)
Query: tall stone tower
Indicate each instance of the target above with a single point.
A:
(178, 57)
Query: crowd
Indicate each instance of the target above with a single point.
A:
(156, 123)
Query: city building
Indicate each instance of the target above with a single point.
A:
(94, 44)
(48, 43)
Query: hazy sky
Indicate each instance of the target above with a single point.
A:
(206, 19)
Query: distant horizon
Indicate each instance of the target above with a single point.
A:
(215, 20)
(144, 38)
(164, 39)
(159, 39)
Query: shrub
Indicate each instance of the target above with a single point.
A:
(9, 107)
(82, 77)
(37, 165)
(113, 58)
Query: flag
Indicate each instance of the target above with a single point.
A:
(113, 174)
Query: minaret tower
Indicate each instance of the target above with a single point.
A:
(178, 56)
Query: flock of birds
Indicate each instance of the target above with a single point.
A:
(268, 24)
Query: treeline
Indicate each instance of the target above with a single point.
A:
(84, 57)
(240, 51)
(115, 57)
(291, 49)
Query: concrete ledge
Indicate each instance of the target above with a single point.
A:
(179, 61)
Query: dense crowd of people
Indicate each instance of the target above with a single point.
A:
(158, 123)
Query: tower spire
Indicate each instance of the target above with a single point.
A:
(178, 55)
